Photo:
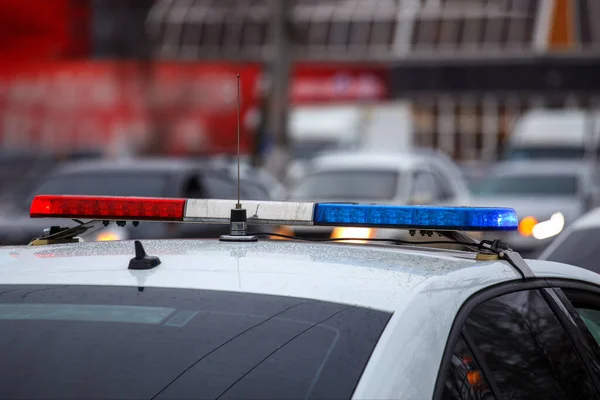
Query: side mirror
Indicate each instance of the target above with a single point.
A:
(421, 198)
(591, 200)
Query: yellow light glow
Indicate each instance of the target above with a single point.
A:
(283, 230)
(526, 226)
(353, 233)
(107, 237)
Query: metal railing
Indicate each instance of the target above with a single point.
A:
(349, 29)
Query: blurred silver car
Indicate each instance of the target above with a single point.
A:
(420, 177)
(579, 244)
(547, 196)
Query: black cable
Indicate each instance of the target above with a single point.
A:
(395, 241)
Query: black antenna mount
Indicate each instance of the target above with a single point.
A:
(238, 221)
(141, 259)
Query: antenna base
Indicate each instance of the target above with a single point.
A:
(238, 227)
(232, 238)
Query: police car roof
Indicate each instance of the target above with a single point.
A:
(382, 277)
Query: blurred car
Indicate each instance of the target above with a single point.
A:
(554, 134)
(132, 177)
(474, 172)
(579, 244)
(251, 177)
(419, 177)
(317, 129)
(32, 168)
(548, 195)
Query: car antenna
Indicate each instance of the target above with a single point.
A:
(141, 259)
(238, 221)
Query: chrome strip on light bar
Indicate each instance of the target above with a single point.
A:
(259, 212)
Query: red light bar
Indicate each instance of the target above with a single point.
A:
(108, 208)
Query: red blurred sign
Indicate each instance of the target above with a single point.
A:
(119, 105)
(335, 83)
(59, 106)
(43, 29)
(319, 83)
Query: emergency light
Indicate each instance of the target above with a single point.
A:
(217, 211)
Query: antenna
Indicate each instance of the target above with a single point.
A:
(238, 205)
(238, 221)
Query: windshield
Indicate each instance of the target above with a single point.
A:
(119, 342)
(526, 185)
(307, 149)
(347, 186)
(579, 248)
(31, 173)
(107, 184)
(546, 152)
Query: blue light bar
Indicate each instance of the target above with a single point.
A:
(416, 217)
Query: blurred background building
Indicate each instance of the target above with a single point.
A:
(158, 76)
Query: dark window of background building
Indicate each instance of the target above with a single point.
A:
(118, 28)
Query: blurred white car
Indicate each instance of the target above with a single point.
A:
(579, 244)
(419, 177)
(547, 196)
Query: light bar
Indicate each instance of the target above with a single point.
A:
(417, 217)
(108, 208)
(216, 211)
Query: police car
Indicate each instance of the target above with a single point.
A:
(246, 317)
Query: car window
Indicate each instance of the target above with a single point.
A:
(192, 188)
(445, 191)
(526, 349)
(218, 187)
(106, 184)
(591, 318)
(527, 185)
(32, 172)
(579, 248)
(587, 306)
(253, 191)
(425, 188)
(584, 310)
(347, 185)
(122, 342)
(464, 379)
(533, 153)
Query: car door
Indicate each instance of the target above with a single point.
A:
(515, 343)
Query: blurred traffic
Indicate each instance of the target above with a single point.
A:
(150, 108)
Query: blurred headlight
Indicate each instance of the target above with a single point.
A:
(353, 233)
(549, 228)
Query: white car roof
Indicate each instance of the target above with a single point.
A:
(424, 288)
(542, 127)
(367, 161)
(381, 277)
(364, 275)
